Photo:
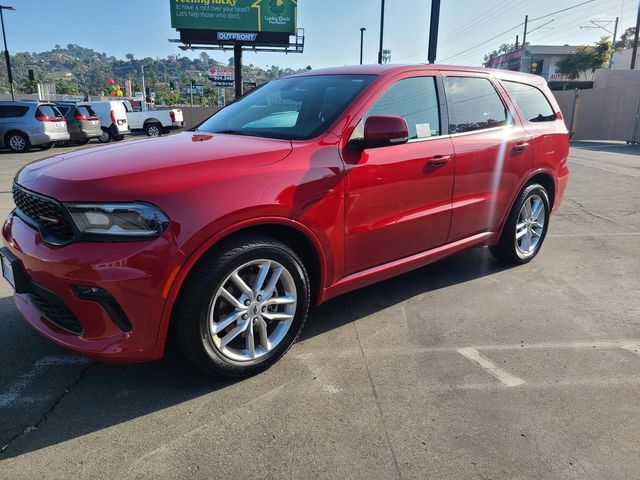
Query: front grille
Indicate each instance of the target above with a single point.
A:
(47, 214)
(57, 313)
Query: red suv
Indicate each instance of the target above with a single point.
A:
(221, 238)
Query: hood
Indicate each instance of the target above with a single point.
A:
(139, 169)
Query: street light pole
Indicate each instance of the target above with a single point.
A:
(6, 50)
(381, 33)
(433, 31)
(362, 30)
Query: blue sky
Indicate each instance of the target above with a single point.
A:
(142, 27)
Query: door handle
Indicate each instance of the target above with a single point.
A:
(520, 147)
(439, 160)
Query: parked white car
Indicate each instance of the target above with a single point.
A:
(155, 122)
(113, 119)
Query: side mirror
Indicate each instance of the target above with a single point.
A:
(383, 131)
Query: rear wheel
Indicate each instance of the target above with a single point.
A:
(243, 307)
(153, 129)
(18, 142)
(118, 138)
(105, 137)
(526, 227)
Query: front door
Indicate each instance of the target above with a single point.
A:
(399, 197)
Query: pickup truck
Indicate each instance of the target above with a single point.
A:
(154, 122)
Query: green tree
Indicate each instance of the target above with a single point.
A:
(626, 39)
(586, 59)
(502, 49)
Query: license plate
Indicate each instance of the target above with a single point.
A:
(7, 271)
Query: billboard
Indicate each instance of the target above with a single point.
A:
(222, 77)
(277, 16)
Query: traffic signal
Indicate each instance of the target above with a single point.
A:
(32, 76)
(172, 86)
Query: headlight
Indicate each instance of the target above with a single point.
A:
(118, 219)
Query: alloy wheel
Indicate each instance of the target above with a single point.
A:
(17, 143)
(252, 311)
(530, 226)
(153, 131)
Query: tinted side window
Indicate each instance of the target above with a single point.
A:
(63, 109)
(10, 112)
(474, 104)
(532, 102)
(47, 111)
(416, 100)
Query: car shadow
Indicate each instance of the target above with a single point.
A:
(107, 395)
(617, 148)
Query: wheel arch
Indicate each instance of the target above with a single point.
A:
(150, 121)
(541, 176)
(292, 233)
(5, 138)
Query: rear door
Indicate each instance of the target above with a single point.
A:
(493, 153)
(399, 197)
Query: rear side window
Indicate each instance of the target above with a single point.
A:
(13, 111)
(474, 104)
(85, 111)
(532, 102)
(63, 109)
(414, 99)
(48, 111)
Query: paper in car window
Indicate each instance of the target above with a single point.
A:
(423, 130)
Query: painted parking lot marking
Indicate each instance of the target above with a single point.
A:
(633, 348)
(505, 377)
(16, 391)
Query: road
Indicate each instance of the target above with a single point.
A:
(462, 369)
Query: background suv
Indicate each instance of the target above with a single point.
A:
(31, 124)
(308, 187)
(82, 122)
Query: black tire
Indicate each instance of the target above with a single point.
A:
(153, 129)
(190, 323)
(83, 142)
(17, 142)
(118, 138)
(506, 249)
(48, 146)
(105, 137)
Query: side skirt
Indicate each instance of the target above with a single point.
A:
(404, 265)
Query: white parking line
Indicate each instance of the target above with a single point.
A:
(491, 368)
(633, 348)
(18, 388)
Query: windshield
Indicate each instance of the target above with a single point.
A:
(295, 108)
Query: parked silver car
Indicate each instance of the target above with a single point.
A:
(82, 122)
(31, 124)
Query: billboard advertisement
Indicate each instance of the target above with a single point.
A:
(277, 16)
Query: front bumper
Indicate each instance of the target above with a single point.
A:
(136, 274)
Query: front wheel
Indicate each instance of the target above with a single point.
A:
(242, 307)
(526, 227)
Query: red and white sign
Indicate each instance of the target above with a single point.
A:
(226, 73)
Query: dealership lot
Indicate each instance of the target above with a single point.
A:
(463, 369)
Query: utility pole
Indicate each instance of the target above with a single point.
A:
(517, 42)
(635, 41)
(362, 30)
(7, 58)
(381, 33)
(613, 43)
(524, 43)
(144, 91)
(433, 31)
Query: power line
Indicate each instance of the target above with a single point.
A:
(517, 26)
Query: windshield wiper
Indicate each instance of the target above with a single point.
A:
(232, 132)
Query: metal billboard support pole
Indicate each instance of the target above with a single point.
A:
(362, 30)
(237, 62)
(7, 58)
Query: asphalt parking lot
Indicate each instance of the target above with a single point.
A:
(462, 369)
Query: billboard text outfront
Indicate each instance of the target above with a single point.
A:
(235, 15)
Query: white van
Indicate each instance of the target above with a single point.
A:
(113, 119)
